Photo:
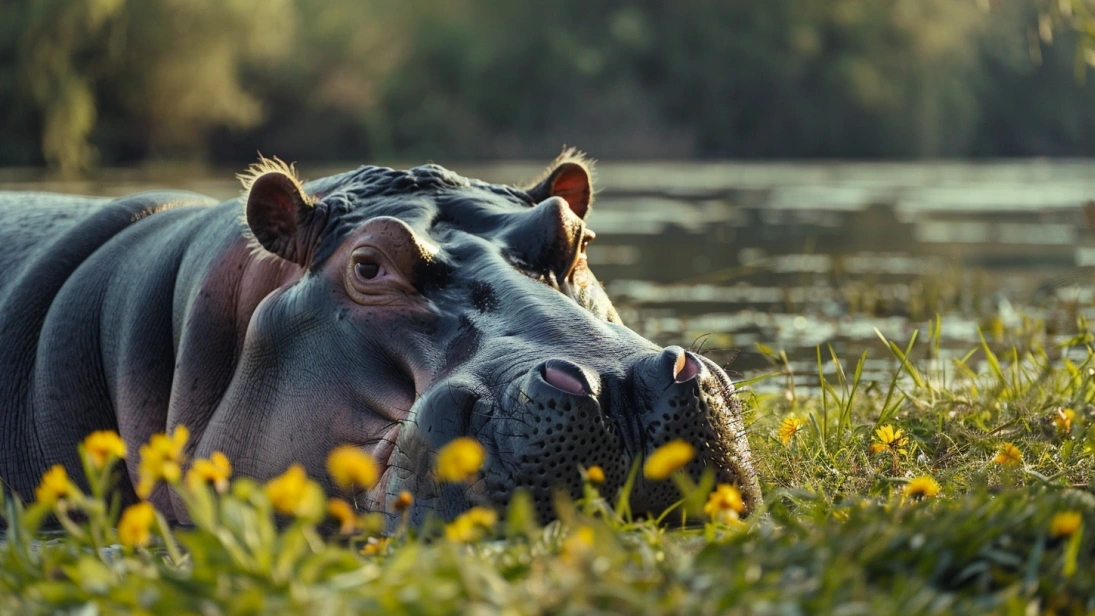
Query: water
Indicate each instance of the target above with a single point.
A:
(723, 257)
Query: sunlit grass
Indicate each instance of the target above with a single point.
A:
(943, 488)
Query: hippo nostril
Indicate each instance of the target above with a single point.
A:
(565, 376)
(686, 368)
(563, 381)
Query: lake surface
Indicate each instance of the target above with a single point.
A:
(723, 256)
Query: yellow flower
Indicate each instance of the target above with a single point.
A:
(724, 503)
(1062, 418)
(403, 502)
(889, 439)
(1065, 523)
(171, 471)
(482, 516)
(350, 466)
(667, 459)
(55, 486)
(788, 428)
(578, 544)
(161, 459)
(921, 487)
(170, 447)
(216, 470)
(460, 460)
(292, 493)
(595, 474)
(102, 446)
(134, 528)
(470, 525)
(375, 546)
(341, 511)
(1009, 454)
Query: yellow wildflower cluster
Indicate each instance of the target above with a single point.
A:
(55, 486)
(161, 459)
(922, 487)
(1065, 524)
(134, 528)
(887, 438)
(668, 459)
(471, 525)
(102, 446)
(1009, 455)
(724, 504)
(216, 470)
(788, 428)
(292, 493)
(460, 460)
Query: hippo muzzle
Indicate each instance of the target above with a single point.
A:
(559, 416)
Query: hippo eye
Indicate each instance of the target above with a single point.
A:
(367, 270)
(586, 239)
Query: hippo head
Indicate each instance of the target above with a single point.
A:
(426, 306)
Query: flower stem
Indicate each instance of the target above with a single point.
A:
(169, 540)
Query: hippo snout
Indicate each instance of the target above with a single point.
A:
(681, 395)
(562, 415)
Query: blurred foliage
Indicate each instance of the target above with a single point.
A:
(133, 78)
(119, 81)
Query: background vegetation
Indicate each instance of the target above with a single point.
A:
(122, 81)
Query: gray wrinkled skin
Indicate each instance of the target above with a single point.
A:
(391, 310)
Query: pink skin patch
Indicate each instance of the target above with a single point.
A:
(561, 380)
(686, 368)
(384, 448)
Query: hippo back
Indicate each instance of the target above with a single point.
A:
(29, 221)
(47, 246)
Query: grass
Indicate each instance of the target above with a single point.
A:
(842, 530)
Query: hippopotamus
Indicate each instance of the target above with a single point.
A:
(392, 310)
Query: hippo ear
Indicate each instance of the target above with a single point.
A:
(280, 215)
(569, 178)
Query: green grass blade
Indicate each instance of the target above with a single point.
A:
(623, 499)
(753, 380)
(994, 363)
